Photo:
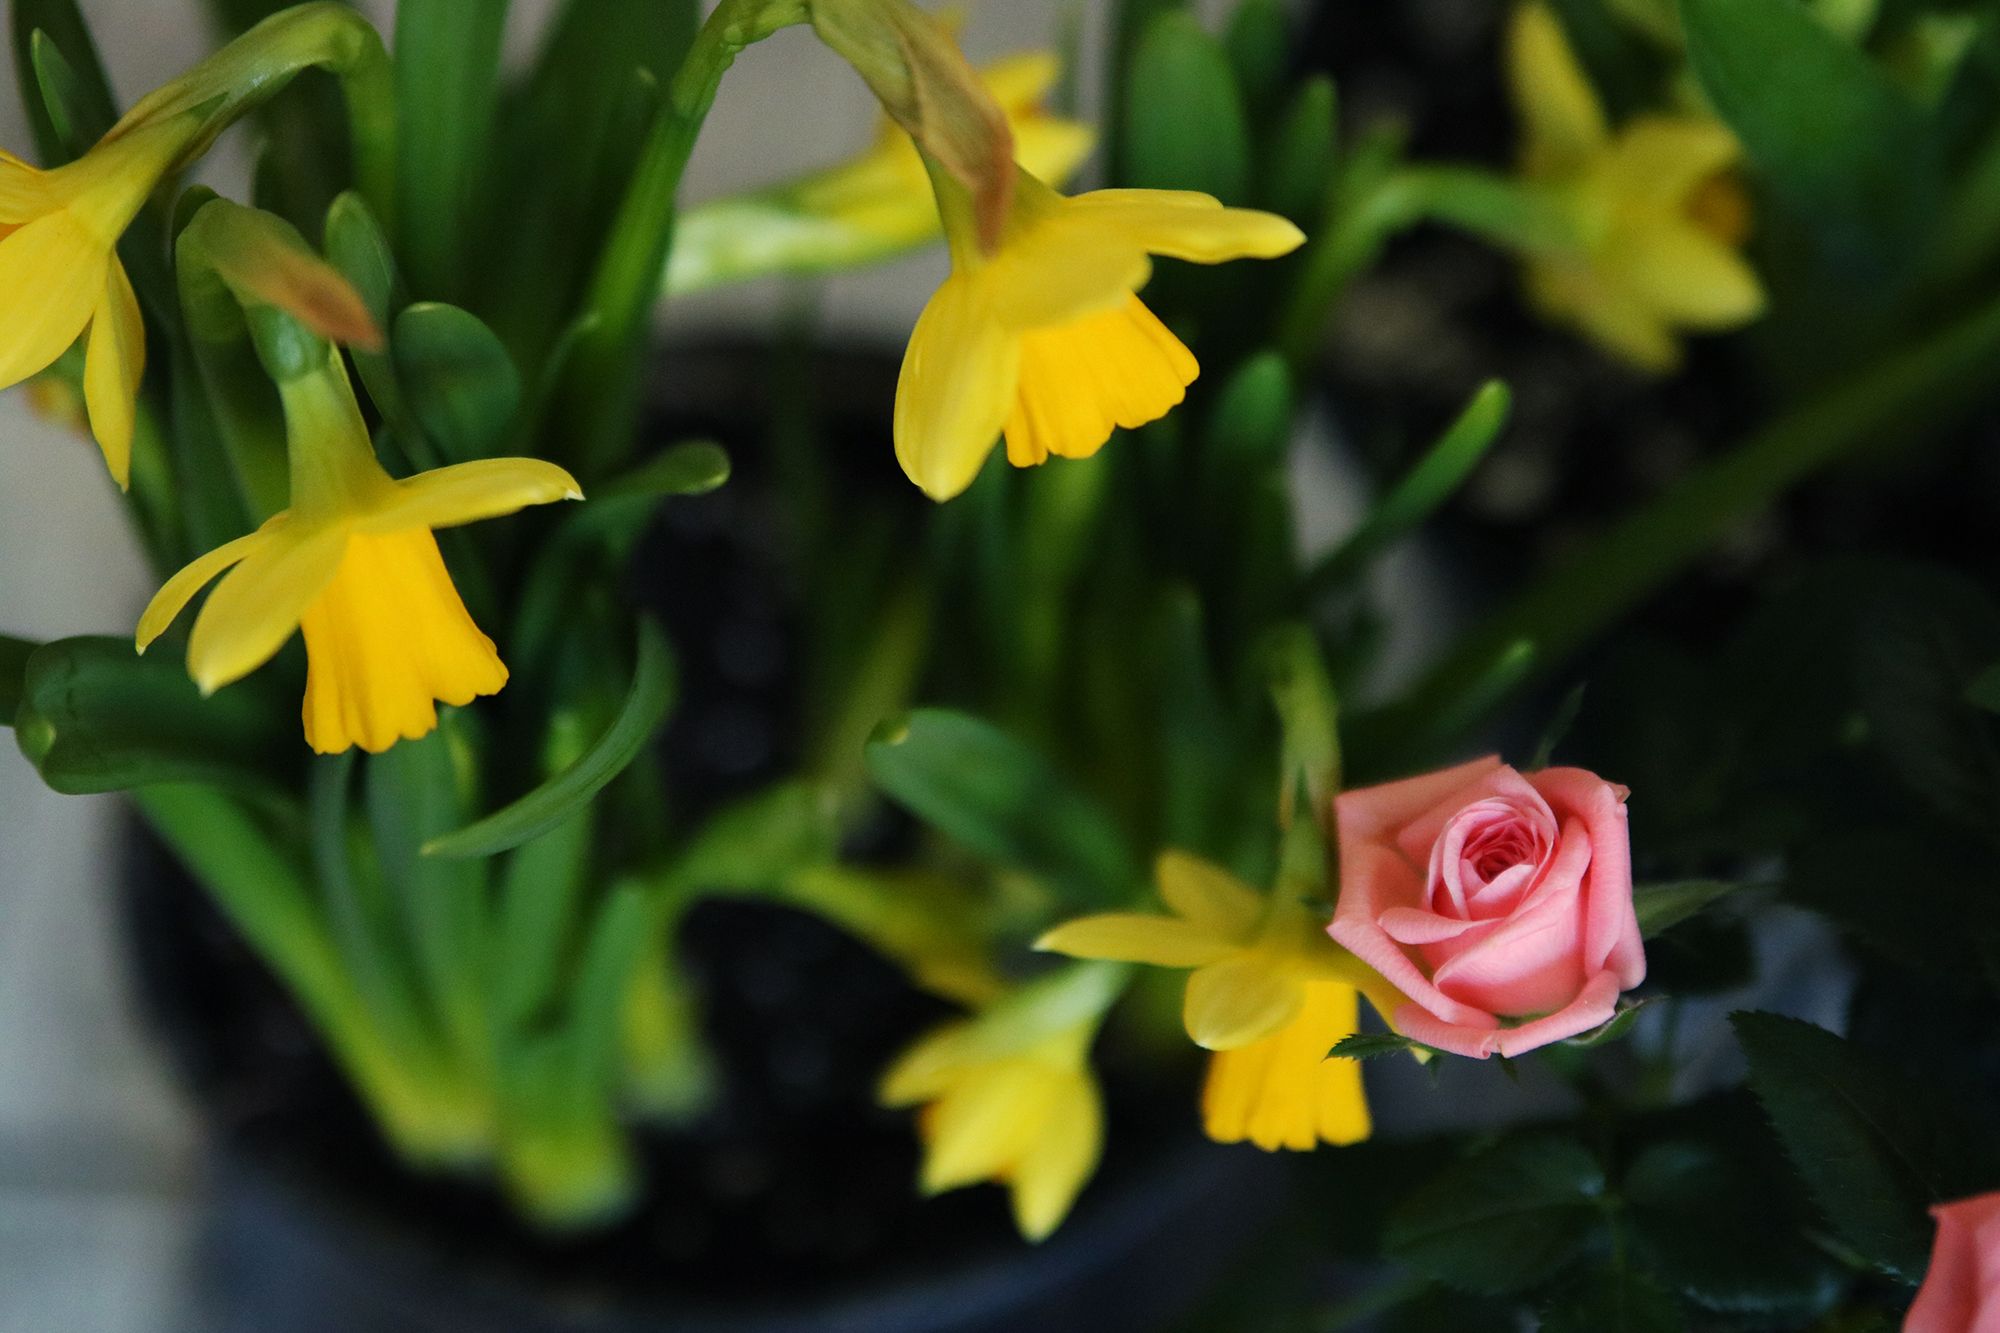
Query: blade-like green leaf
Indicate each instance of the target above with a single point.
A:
(1504, 1220)
(94, 716)
(447, 80)
(87, 93)
(1368, 1045)
(357, 246)
(14, 655)
(989, 791)
(759, 843)
(457, 378)
(1303, 154)
(1259, 43)
(539, 895)
(1183, 116)
(646, 706)
(1661, 906)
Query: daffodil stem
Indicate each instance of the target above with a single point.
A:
(601, 397)
(1579, 600)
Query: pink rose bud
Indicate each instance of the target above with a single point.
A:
(1499, 902)
(1961, 1292)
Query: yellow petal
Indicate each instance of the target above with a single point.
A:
(52, 275)
(1052, 149)
(1163, 941)
(1208, 896)
(1240, 1000)
(255, 609)
(1659, 160)
(388, 637)
(114, 362)
(1611, 315)
(176, 592)
(955, 390)
(1063, 266)
(468, 492)
(1686, 276)
(985, 1122)
(1078, 381)
(1282, 1092)
(925, 1070)
(24, 192)
(1019, 81)
(1182, 224)
(1562, 121)
(1062, 1157)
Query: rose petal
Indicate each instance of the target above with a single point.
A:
(1421, 833)
(1374, 879)
(1611, 926)
(1413, 925)
(1378, 811)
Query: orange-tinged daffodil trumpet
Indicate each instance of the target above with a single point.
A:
(353, 564)
(1270, 994)
(1657, 211)
(60, 274)
(1044, 338)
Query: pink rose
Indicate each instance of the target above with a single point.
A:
(1488, 897)
(1961, 1292)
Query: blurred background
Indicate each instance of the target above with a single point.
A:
(100, 1171)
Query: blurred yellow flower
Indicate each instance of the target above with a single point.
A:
(1270, 994)
(1044, 338)
(60, 273)
(1657, 210)
(1009, 1095)
(871, 207)
(353, 564)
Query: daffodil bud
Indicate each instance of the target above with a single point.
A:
(926, 85)
(263, 261)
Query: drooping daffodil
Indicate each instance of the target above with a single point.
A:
(872, 207)
(352, 563)
(1270, 994)
(1656, 211)
(60, 273)
(1044, 337)
(1009, 1096)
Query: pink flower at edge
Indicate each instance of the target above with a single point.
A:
(1961, 1292)
(1486, 895)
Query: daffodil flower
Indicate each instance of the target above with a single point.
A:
(1656, 209)
(869, 208)
(352, 563)
(60, 273)
(1270, 994)
(1045, 338)
(1009, 1095)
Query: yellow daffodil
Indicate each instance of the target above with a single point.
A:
(60, 273)
(353, 564)
(1044, 338)
(870, 208)
(1657, 211)
(1270, 993)
(1009, 1095)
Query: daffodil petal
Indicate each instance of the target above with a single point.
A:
(1163, 941)
(955, 390)
(1688, 277)
(1184, 225)
(468, 492)
(1282, 1092)
(1056, 1166)
(925, 1069)
(1658, 160)
(1079, 381)
(1205, 895)
(51, 279)
(178, 590)
(985, 1122)
(255, 609)
(1563, 123)
(114, 363)
(1616, 319)
(1239, 1000)
(1052, 149)
(24, 192)
(1063, 268)
(1019, 81)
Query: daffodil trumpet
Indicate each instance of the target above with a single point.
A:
(1043, 337)
(1269, 993)
(352, 563)
(1009, 1096)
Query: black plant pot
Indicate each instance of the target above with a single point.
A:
(791, 1207)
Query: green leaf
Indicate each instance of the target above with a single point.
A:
(1368, 1045)
(1614, 1299)
(987, 790)
(1613, 1028)
(1984, 690)
(540, 891)
(459, 381)
(1184, 122)
(1429, 484)
(694, 468)
(646, 707)
(85, 93)
(1259, 43)
(357, 246)
(94, 716)
(1851, 157)
(14, 655)
(1309, 715)
(447, 82)
(759, 843)
(1625, 70)
(1874, 1146)
(1304, 154)
(1504, 1220)
(1660, 906)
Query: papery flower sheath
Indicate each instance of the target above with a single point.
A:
(60, 273)
(352, 563)
(1045, 338)
(1656, 209)
(1270, 993)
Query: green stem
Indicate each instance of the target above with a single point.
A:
(1576, 602)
